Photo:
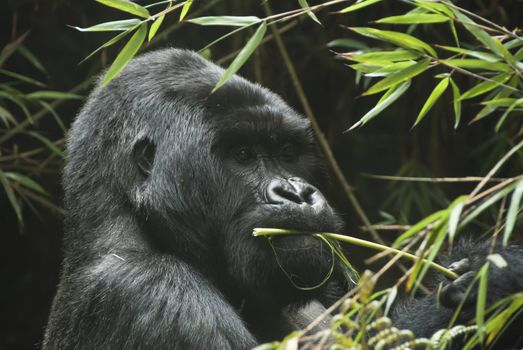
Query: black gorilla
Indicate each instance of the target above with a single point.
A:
(163, 185)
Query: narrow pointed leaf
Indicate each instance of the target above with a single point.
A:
(479, 33)
(478, 64)
(312, 15)
(485, 86)
(111, 26)
(381, 56)
(31, 58)
(127, 6)
(53, 95)
(358, 6)
(21, 77)
(185, 9)
(512, 213)
(348, 43)
(481, 303)
(26, 181)
(456, 102)
(414, 18)
(52, 147)
(109, 43)
(401, 39)
(399, 77)
(473, 53)
(434, 96)
(454, 217)
(388, 98)
(234, 21)
(243, 56)
(155, 26)
(11, 196)
(130, 49)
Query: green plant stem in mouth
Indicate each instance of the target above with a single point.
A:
(258, 232)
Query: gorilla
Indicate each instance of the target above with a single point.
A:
(165, 181)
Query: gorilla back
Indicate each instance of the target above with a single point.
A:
(164, 183)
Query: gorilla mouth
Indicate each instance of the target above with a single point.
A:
(296, 243)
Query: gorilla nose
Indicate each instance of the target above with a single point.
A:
(293, 191)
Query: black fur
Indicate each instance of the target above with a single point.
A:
(164, 183)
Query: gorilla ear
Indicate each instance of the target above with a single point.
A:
(143, 153)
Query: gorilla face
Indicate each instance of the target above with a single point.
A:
(240, 159)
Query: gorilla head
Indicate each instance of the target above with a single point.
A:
(160, 166)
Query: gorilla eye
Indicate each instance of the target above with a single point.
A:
(289, 152)
(243, 154)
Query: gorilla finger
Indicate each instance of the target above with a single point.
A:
(460, 266)
(453, 294)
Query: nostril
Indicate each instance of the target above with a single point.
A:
(288, 194)
(308, 195)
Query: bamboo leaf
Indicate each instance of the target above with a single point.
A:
(185, 9)
(478, 64)
(358, 5)
(479, 33)
(109, 43)
(506, 113)
(21, 77)
(414, 18)
(401, 39)
(473, 53)
(348, 43)
(381, 56)
(497, 260)
(486, 86)
(243, 56)
(434, 96)
(482, 300)
(312, 15)
(28, 55)
(7, 117)
(500, 102)
(454, 217)
(11, 196)
(155, 26)
(111, 26)
(456, 102)
(130, 49)
(26, 181)
(51, 146)
(53, 95)
(234, 21)
(127, 6)
(437, 216)
(388, 98)
(399, 77)
(487, 110)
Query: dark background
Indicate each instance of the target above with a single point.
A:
(30, 255)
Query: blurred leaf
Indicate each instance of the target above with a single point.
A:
(17, 101)
(53, 95)
(11, 47)
(358, 5)
(507, 112)
(130, 49)
(485, 86)
(28, 55)
(11, 196)
(497, 260)
(415, 18)
(454, 217)
(456, 102)
(243, 56)
(7, 117)
(235, 21)
(434, 96)
(487, 110)
(111, 26)
(185, 9)
(500, 102)
(348, 43)
(399, 77)
(26, 181)
(401, 39)
(127, 6)
(312, 15)
(51, 146)
(478, 64)
(388, 98)
(21, 77)
(485, 56)
(55, 115)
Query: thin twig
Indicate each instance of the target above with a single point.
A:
(433, 179)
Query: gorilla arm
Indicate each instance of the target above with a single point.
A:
(143, 300)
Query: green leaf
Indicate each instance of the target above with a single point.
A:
(155, 26)
(130, 49)
(513, 210)
(487, 110)
(28, 55)
(435, 7)
(11, 47)
(21, 77)
(51, 146)
(26, 181)
(507, 112)
(185, 9)
(348, 43)
(414, 18)
(497, 260)
(399, 77)
(243, 56)
(388, 98)
(479, 33)
(381, 56)
(53, 95)
(55, 115)
(109, 43)
(386, 68)
(127, 6)
(7, 117)
(234, 21)
(11, 196)
(500, 102)
(111, 26)
(473, 53)
(358, 5)
(456, 103)
(482, 300)
(478, 64)
(401, 39)
(485, 86)
(434, 96)
(416, 228)
(454, 216)
(312, 15)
